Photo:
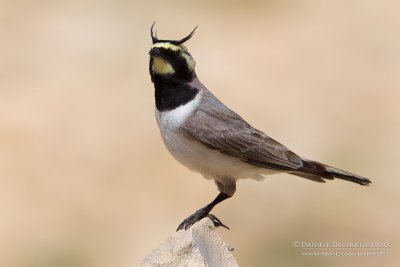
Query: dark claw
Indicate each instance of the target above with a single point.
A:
(189, 221)
(217, 222)
(192, 219)
(197, 216)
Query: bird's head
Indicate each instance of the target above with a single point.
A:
(169, 59)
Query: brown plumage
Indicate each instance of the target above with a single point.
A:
(221, 129)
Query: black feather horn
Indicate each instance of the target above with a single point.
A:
(187, 37)
(156, 40)
(153, 36)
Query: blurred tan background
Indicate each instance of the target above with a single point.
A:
(86, 181)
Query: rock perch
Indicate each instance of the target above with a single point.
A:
(199, 246)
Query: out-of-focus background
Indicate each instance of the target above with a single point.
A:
(86, 181)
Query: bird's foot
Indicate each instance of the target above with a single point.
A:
(216, 221)
(197, 216)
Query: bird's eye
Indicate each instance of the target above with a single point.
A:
(179, 53)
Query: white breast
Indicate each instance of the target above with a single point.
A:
(171, 120)
(195, 156)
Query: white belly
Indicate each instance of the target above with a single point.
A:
(195, 156)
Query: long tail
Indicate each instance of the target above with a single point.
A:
(320, 172)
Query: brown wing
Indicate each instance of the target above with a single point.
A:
(219, 128)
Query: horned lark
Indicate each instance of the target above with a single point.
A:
(209, 138)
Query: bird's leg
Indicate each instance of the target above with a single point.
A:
(204, 212)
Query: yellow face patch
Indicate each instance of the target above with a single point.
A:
(161, 66)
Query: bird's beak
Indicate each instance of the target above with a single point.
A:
(155, 52)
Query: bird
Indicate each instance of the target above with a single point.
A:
(209, 138)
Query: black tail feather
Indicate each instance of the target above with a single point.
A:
(319, 172)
